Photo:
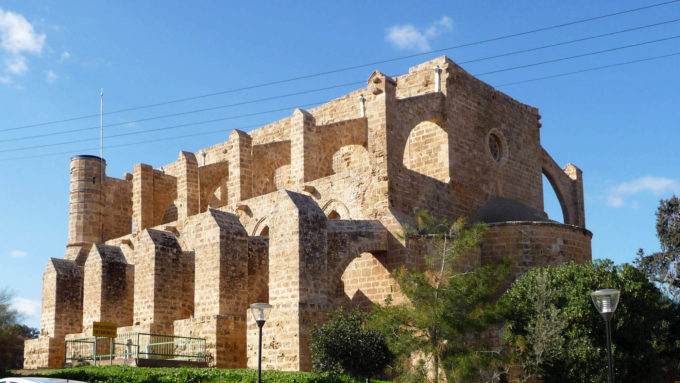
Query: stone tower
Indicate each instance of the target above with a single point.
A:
(86, 205)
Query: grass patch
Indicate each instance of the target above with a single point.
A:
(115, 374)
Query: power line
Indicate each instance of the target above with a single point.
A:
(161, 129)
(297, 78)
(578, 56)
(361, 82)
(193, 111)
(567, 42)
(253, 126)
(132, 143)
(588, 70)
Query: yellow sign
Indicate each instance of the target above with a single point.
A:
(106, 329)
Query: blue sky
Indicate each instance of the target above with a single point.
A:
(619, 125)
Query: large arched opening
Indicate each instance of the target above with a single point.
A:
(427, 151)
(551, 204)
(364, 281)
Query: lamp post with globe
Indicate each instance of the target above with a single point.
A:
(605, 302)
(260, 311)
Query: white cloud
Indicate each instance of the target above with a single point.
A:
(64, 56)
(51, 76)
(410, 37)
(615, 201)
(26, 307)
(17, 254)
(17, 37)
(656, 185)
(16, 65)
(648, 184)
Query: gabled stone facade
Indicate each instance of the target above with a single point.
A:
(306, 214)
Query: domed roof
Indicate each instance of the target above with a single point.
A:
(501, 209)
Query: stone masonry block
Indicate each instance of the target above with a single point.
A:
(108, 287)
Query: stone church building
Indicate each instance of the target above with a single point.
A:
(304, 213)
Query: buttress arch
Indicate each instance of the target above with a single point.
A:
(568, 186)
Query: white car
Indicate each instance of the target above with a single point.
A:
(38, 380)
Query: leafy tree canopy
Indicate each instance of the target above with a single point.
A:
(663, 267)
(12, 334)
(644, 328)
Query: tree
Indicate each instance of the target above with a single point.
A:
(344, 345)
(542, 340)
(447, 307)
(663, 267)
(12, 334)
(644, 328)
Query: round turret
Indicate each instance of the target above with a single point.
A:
(86, 201)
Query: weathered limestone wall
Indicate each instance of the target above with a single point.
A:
(187, 187)
(44, 352)
(418, 158)
(426, 151)
(267, 159)
(240, 157)
(356, 272)
(142, 197)
(276, 131)
(220, 294)
(532, 244)
(343, 108)
(454, 131)
(108, 289)
(153, 196)
(221, 250)
(213, 185)
(163, 275)
(487, 120)
(219, 332)
(258, 269)
(165, 206)
(298, 288)
(304, 142)
(220, 245)
(420, 79)
(62, 313)
(118, 211)
(62, 303)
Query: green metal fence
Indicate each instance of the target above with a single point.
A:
(136, 345)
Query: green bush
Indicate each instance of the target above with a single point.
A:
(644, 338)
(118, 374)
(345, 345)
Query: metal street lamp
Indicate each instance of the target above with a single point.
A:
(260, 312)
(605, 302)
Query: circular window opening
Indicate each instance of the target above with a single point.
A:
(496, 146)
